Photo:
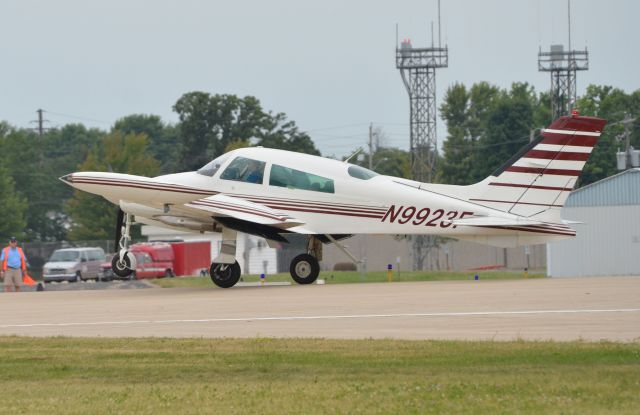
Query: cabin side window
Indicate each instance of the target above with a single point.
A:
(295, 179)
(361, 173)
(243, 169)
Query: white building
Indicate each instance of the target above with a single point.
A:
(608, 239)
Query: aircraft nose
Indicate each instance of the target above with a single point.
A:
(67, 178)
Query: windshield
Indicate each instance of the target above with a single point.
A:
(244, 170)
(64, 256)
(213, 166)
(361, 173)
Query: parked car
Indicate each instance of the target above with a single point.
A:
(74, 264)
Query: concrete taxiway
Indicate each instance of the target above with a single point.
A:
(589, 309)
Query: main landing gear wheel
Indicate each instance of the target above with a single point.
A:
(304, 269)
(122, 269)
(225, 275)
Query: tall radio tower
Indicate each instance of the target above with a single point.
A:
(418, 70)
(563, 66)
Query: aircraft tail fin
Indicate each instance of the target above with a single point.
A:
(536, 182)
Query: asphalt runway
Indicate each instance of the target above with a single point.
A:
(589, 309)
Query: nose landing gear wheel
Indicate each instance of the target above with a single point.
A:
(304, 269)
(225, 275)
(124, 268)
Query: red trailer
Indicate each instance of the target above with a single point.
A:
(191, 258)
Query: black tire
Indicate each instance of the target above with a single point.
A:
(78, 277)
(304, 269)
(121, 270)
(225, 275)
(168, 273)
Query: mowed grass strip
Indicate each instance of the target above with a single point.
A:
(350, 277)
(307, 376)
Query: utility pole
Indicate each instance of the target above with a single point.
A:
(40, 122)
(371, 146)
(629, 157)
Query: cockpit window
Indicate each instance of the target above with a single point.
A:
(213, 166)
(296, 179)
(361, 173)
(242, 169)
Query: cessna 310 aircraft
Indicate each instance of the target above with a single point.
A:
(272, 193)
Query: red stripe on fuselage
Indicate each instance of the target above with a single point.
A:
(142, 185)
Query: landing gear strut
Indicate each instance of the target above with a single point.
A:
(224, 270)
(305, 268)
(123, 263)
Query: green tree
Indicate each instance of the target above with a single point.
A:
(163, 138)
(5, 129)
(285, 135)
(613, 105)
(12, 206)
(466, 113)
(35, 163)
(508, 128)
(387, 161)
(208, 123)
(93, 217)
(392, 162)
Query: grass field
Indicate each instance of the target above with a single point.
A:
(342, 277)
(275, 376)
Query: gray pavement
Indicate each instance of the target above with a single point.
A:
(90, 285)
(589, 309)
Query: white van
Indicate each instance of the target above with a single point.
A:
(74, 264)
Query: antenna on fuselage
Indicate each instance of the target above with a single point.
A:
(353, 155)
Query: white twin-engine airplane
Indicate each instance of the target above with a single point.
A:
(271, 193)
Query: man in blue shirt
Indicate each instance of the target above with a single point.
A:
(254, 172)
(13, 265)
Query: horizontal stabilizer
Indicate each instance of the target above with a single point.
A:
(493, 221)
(238, 208)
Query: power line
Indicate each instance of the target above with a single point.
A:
(77, 117)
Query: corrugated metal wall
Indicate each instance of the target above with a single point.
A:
(379, 250)
(608, 242)
(621, 189)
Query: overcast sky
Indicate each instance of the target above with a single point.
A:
(329, 65)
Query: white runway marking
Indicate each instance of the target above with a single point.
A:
(328, 317)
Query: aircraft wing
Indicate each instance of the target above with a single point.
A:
(244, 210)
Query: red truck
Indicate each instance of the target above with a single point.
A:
(161, 259)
